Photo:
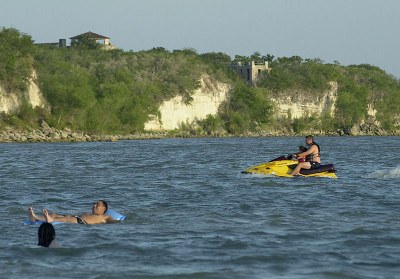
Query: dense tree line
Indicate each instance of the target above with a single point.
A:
(358, 86)
(116, 91)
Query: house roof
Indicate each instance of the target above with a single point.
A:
(90, 35)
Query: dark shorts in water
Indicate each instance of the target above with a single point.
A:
(79, 220)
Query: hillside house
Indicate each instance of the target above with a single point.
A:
(100, 39)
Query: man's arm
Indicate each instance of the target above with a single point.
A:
(308, 152)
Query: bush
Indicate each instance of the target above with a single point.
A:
(248, 108)
(16, 51)
(211, 124)
(296, 73)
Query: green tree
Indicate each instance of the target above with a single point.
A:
(16, 59)
(85, 42)
(216, 57)
(249, 108)
(351, 105)
(211, 124)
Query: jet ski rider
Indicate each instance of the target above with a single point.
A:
(312, 158)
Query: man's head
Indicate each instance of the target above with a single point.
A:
(99, 207)
(309, 139)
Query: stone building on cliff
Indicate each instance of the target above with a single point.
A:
(104, 41)
(249, 71)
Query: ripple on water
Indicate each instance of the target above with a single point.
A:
(192, 214)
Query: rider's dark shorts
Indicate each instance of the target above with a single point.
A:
(314, 165)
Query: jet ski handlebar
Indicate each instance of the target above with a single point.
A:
(284, 157)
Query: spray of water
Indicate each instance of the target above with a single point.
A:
(387, 173)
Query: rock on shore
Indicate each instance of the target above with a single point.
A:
(48, 134)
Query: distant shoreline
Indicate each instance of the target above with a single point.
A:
(50, 135)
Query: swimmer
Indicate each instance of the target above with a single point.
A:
(97, 216)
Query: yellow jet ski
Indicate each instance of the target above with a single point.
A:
(283, 166)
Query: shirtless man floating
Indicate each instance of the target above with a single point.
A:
(96, 217)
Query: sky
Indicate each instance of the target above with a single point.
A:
(346, 31)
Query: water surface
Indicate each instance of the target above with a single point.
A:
(192, 214)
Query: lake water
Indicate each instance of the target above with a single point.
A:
(192, 214)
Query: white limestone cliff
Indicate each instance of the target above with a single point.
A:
(302, 104)
(34, 95)
(10, 102)
(206, 101)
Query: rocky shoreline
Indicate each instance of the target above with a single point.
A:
(48, 134)
(45, 133)
(66, 135)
